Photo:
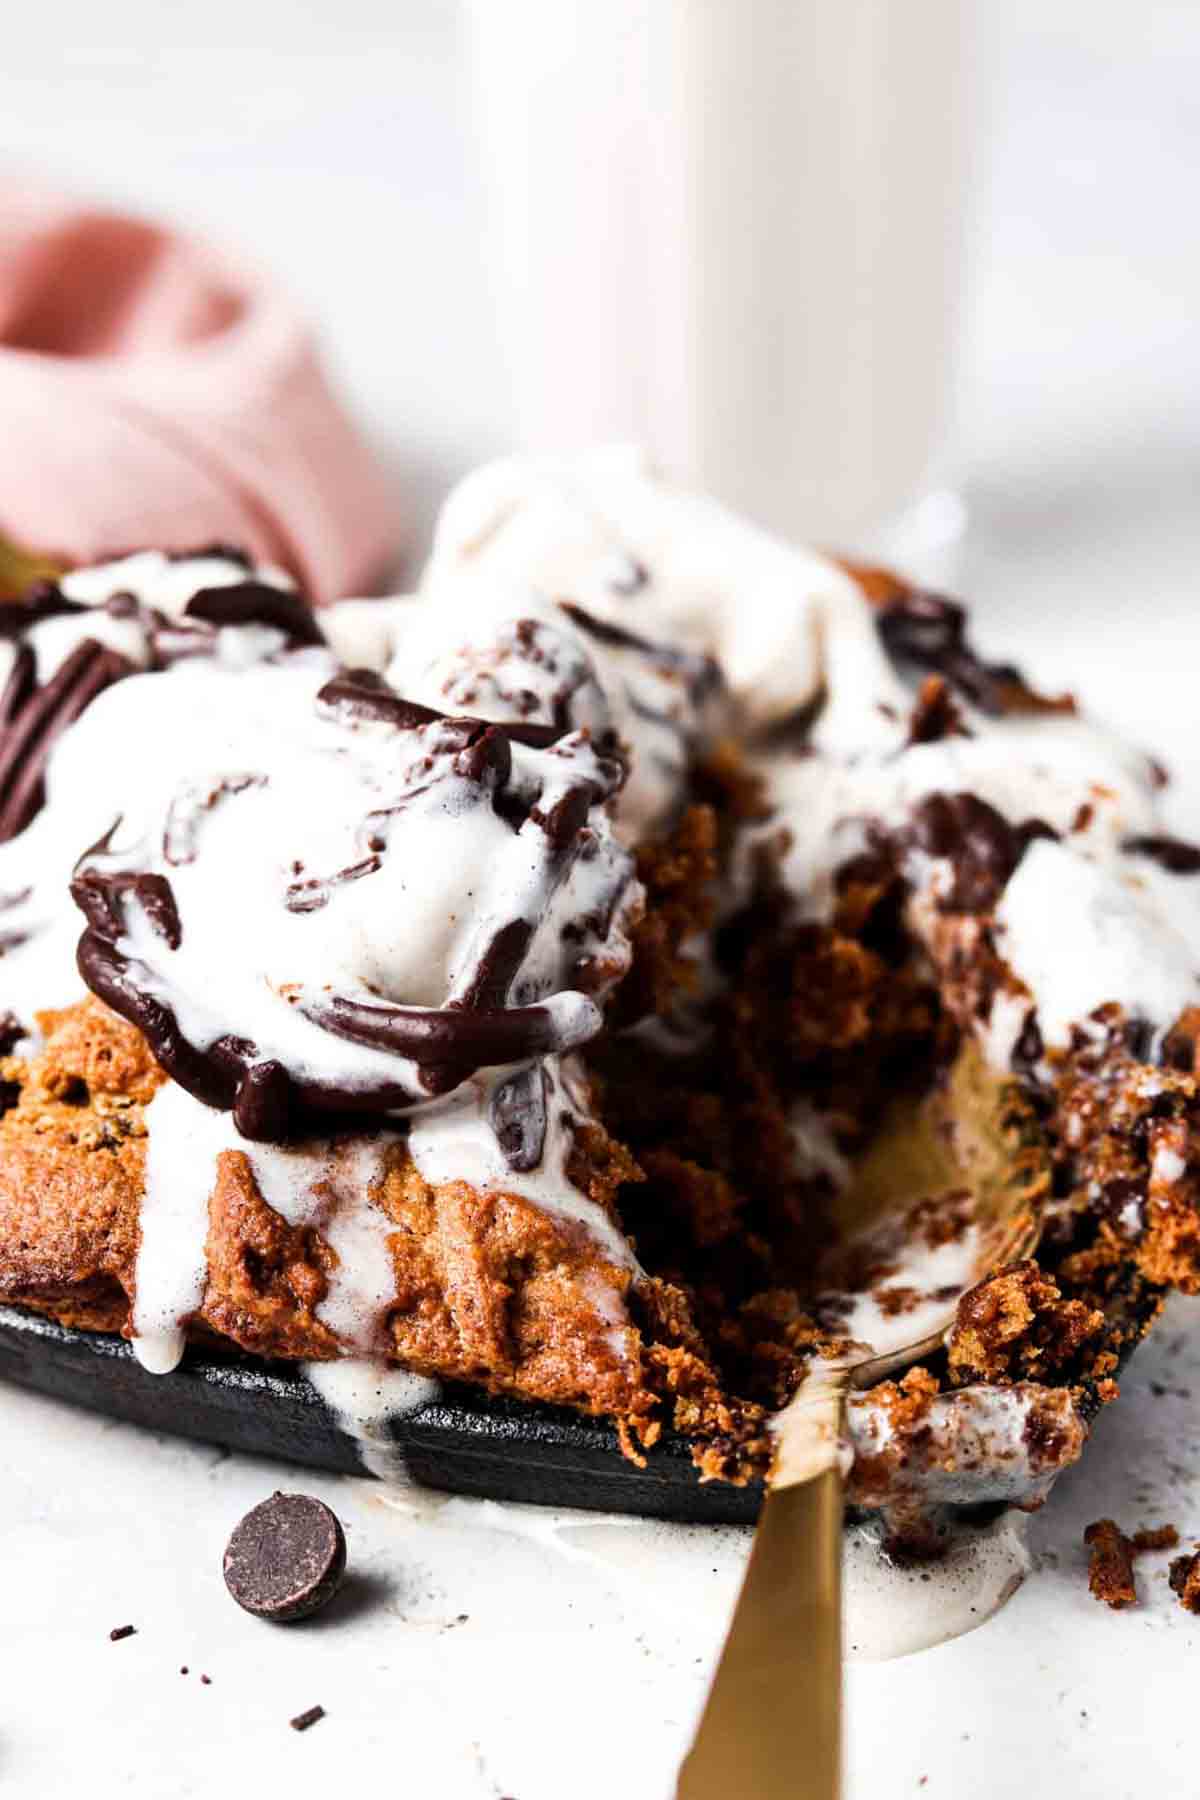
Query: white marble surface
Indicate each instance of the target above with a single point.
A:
(332, 143)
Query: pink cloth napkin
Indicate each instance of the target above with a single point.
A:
(154, 393)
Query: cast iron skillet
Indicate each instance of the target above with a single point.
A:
(464, 1441)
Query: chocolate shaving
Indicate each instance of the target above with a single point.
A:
(303, 1720)
(701, 674)
(19, 685)
(257, 603)
(312, 894)
(42, 714)
(183, 814)
(362, 694)
(1174, 854)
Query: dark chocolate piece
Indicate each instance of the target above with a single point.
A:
(929, 631)
(286, 1559)
(257, 603)
(362, 694)
(121, 1631)
(518, 1118)
(303, 1720)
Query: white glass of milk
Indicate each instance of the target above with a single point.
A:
(731, 230)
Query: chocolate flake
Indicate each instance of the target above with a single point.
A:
(303, 1720)
(1174, 854)
(121, 1631)
(518, 1118)
(39, 717)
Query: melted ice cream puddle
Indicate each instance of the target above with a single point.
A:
(890, 1609)
(894, 1609)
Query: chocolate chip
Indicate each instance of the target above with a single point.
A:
(303, 1720)
(286, 1559)
(121, 1631)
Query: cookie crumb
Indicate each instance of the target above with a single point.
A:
(1154, 1537)
(303, 1720)
(1110, 1565)
(1184, 1577)
(121, 1631)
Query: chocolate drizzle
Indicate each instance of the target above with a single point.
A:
(257, 603)
(450, 1043)
(494, 1016)
(929, 632)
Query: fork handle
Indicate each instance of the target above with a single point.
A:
(772, 1724)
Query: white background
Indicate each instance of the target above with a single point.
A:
(333, 144)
